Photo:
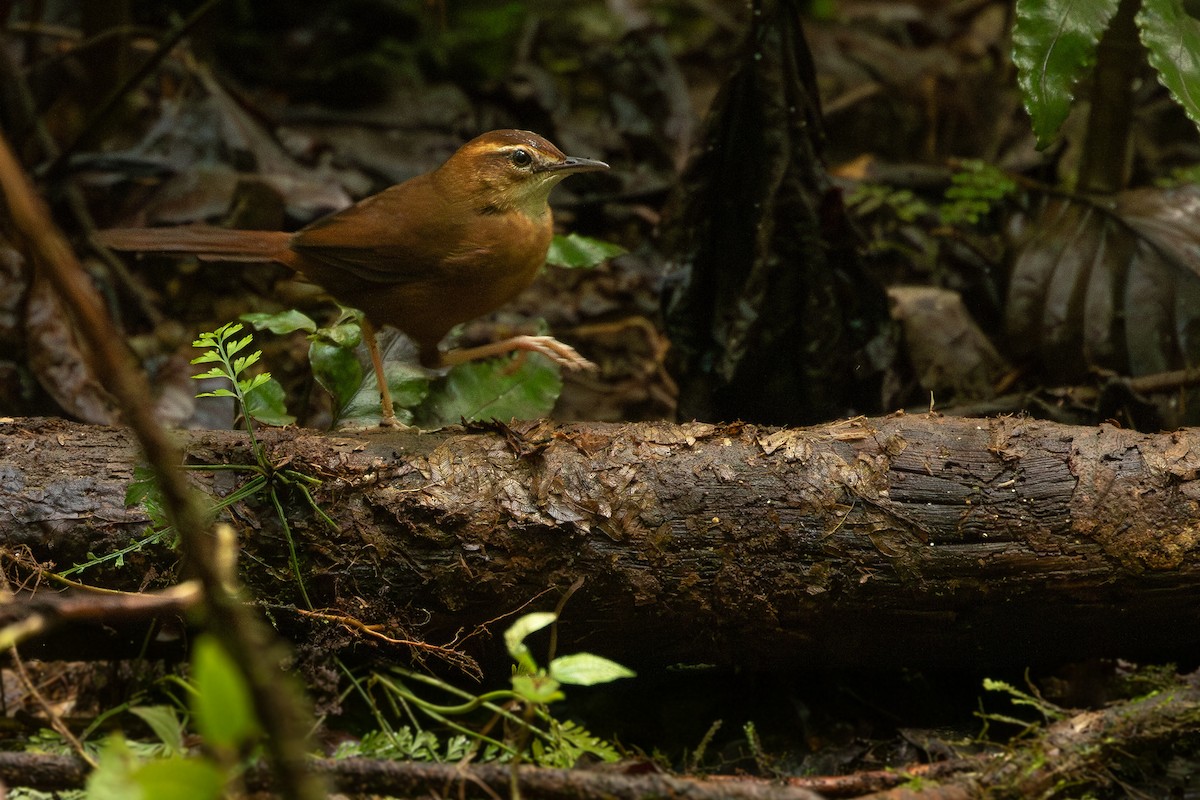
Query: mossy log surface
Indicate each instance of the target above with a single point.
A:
(902, 541)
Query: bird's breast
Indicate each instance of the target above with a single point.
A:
(499, 254)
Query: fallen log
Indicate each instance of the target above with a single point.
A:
(908, 540)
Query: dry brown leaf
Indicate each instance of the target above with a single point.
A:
(58, 361)
(946, 347)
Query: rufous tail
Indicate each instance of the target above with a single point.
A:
(204, 241)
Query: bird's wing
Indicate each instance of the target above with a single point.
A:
(401, 235)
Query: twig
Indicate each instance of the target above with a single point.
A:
(136, 77)
(41, 613)
(25, 104)
(448, 654)
(56, 720)
(247, 639)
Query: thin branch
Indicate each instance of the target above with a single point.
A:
(249, 642)
(56, 720)
(129, 84)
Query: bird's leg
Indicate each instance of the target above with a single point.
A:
(561, 354)
(387, 413)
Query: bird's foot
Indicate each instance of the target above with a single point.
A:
(389, 422)
(560, 353)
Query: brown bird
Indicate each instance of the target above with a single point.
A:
(423, 256)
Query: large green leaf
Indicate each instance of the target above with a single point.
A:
(1054, 47)
(112, 779)
(179, 779)
(337, 369)
(408, 384)
(1172, 38)
(587, 669)
(495, 389)
(265, 403)
(580, 252)
(221, 705)
(165, 723)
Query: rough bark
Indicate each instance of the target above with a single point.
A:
(917, 541)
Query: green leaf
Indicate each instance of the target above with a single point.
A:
(112, 778)
(346, 334)
(240, 364)
(580, 252)
(283, 322)
(144, 491)
(227, 330)
(232, 348)
(221, 704)
(216, 393)
(179, 779)
(337, 369)
(258, 380)
(206, 357)
(494, 389)
(1054, 47)
(537, 688)
(408, 384)
(265, 403)
(586, 669)
(1172, 37)
(164, 722)
(514, 637)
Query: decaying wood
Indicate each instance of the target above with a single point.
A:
(912, 540)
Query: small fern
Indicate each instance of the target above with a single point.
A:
(975, 189)
(260, 397)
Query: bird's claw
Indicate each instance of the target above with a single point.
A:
(560, 353)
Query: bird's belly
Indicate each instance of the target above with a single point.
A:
(468, 284)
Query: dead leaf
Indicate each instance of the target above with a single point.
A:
(1113, 286)
(58, 360)
(946, 347)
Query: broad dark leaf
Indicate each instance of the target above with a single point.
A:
(772, 316)
(1112, 286)
(265, 403)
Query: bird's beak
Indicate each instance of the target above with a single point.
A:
(572, 164)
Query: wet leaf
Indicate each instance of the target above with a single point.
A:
(1109, 286)
(1054, 47)
(524, 388)
(950, 354)
(409, 386)
(1172, 39)
(338, 370)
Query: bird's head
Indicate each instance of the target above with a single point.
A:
(510, 170)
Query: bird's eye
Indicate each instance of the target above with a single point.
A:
(522, 158)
